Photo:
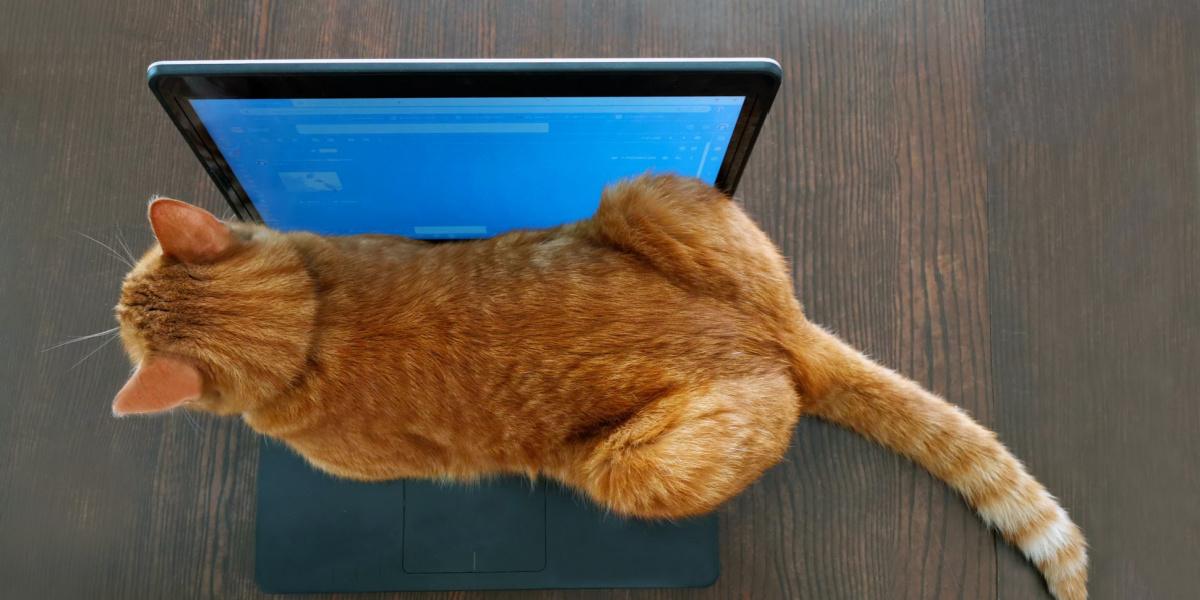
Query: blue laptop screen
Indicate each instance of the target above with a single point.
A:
(457, 167)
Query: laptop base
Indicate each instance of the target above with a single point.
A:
(320, 534)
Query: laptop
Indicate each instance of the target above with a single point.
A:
(451, 150)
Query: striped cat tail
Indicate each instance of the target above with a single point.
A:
(844, 387)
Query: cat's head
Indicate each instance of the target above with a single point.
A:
(216, 316)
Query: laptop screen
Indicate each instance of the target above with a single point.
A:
(438, 168)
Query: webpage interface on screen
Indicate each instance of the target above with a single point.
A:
(457, 167)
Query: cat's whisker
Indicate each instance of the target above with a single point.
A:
(124, 246)
(89, 354)
(81, 338)
(190, 419)
(114, 253)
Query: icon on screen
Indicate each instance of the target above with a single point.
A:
(311, 181)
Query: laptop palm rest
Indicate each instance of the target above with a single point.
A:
(316, 533)
(489, 527)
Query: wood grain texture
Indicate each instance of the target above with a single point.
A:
(1001, 200)
(1094, 210)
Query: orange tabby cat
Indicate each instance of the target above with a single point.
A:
(653, 357)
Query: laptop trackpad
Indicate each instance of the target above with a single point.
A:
(493, 526)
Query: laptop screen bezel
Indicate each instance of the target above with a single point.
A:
(175, 84)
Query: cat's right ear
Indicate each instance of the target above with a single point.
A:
(188, 233)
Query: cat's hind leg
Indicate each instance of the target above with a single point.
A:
(694, 234)
(688, 452)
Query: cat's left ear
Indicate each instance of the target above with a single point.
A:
(159, 383)
(188, 233)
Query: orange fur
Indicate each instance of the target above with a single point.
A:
(653, 357)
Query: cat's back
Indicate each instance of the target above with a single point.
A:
(560, 289)
(548, 305)
(531, 332)
(666, 264)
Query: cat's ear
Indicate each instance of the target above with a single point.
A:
(188, 233)
(159, 383)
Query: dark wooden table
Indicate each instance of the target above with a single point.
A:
(1000, 199)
